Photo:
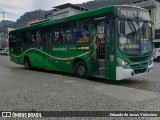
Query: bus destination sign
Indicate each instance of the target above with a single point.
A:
(134, 13)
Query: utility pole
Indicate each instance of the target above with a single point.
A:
(130, 2)
(4, 27)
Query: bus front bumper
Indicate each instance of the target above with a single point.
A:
(122, 73)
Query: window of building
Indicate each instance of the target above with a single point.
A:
(149, 12)
(157, 34)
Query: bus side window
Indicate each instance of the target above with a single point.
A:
(66, 31)
(48, 36)
(81, 31)
(18, 41)
(76, 32)
(58, 35)
(38, 38)
(34, 37)
(24, 38)
(27, 38)
(15, 41)
(112, 33)
(12, 41)
(60, 38)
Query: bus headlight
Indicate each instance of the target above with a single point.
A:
(123, 63)
(151, 61)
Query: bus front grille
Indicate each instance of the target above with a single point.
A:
(140, 71)
(139, 65)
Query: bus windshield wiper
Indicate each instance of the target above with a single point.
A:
(130, 26)
(137, 34)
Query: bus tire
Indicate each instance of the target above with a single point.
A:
(27, 63)
(80, 69)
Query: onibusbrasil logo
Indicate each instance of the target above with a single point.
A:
(22, 114)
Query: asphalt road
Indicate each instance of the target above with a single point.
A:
(41, 90)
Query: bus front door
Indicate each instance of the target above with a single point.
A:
(98, 49)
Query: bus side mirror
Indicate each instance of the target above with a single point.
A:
(122, 27)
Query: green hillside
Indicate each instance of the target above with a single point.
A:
(23, 20)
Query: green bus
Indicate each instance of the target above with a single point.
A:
(113, 42)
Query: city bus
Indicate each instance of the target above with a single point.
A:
(113, 42)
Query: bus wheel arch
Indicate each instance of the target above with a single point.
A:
(158, 59)
(27, 63)
(80, 68)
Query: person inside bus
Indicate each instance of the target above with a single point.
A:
(66, 39)
(78, 35)
(48, 38)
(38, 38)
(85, 35)
(33, 39)
(122, 41)
(131, 38)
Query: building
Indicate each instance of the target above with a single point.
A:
(64, 10)
(153, 6)
(10, 29)
(4, 39)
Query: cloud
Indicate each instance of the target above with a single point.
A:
(16, 8)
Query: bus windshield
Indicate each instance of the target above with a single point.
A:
(137, 37)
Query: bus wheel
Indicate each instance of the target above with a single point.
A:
(81, 69)
(27, 63)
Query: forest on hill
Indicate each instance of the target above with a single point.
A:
(23, 20)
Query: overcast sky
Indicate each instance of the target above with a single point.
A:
(16, 8)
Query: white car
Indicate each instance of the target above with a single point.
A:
(156, 54)
(5, 51)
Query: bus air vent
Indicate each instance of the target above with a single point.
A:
(139, 59)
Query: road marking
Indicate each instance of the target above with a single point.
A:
(126, 93)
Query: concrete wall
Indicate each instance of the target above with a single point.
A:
(153, 19)
(65, 12)
(157, 16)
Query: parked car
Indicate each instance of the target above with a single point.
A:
(156, 53)
(1, 51)
(5, 51)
